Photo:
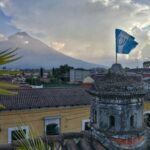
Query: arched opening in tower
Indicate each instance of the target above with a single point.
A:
(147, 119)
(95, 116)
(112, 121)
(132, 121)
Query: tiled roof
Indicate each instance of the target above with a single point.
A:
(120, 84)
(49, 97)
(140, 70)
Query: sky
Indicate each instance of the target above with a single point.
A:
(83, 29)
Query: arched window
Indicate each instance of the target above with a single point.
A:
(147, 119)
(112, 121)
(95, 116)
(132, 121)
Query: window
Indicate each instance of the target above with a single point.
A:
(147, 119)
(95, 116)
(132, 121)
(17, 133)
(86, 124)
(52, 125)
(112, 121)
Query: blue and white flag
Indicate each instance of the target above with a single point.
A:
(124, 42)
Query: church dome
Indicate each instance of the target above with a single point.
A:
(118, 83)
(117, 109)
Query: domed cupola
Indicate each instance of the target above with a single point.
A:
(117, 109)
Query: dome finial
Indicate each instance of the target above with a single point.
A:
(117, 69)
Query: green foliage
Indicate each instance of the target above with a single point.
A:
(61, 73)
(7, 85)
(2, 107)
(34, 81)
(4, 89)
(7, 56)
(4, 72)
(33, 143)
(7, 92)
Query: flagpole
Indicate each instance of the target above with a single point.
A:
(116, 58)
(116, 48)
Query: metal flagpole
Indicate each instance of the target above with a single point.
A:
(116, 49)
(116, 57)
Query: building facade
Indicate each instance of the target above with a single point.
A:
(44, 112)
(146, 64)
(78, 75)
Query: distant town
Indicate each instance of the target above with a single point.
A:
(64, 75)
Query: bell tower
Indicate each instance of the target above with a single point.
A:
(117, 110)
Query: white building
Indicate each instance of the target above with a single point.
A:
(78, 75)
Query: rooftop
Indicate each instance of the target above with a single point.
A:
(46, 97)
(118, 82)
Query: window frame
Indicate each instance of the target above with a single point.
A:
(83, 123)
(49, 119)
(17, 128)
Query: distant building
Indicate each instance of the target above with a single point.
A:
(78, 75)
(27, 74)
(19, 80)
(98, 71)
(88, 82)
(146, 75)
(36, 75)
(146, 64)
(36, 86)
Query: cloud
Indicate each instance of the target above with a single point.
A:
(57, 45)
(86, 27)
(2, 37)
(142, 53)
(2, 4)
(143, 1)
(26, 42)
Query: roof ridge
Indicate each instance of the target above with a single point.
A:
(48, 88)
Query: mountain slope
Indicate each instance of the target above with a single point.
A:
(37, 54)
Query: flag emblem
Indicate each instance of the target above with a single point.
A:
(124, 42)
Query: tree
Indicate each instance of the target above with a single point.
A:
(62, 73)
